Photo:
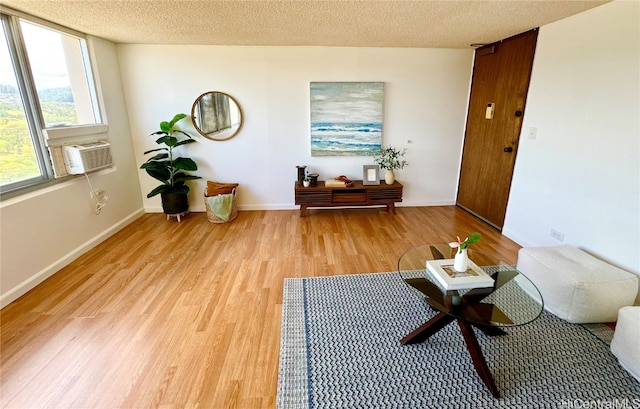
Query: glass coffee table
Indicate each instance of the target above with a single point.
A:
(513, 300)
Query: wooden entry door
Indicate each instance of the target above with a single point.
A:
(501, 74)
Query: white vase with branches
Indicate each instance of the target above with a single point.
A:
(391, 159)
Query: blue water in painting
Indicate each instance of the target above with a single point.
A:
(330, 138)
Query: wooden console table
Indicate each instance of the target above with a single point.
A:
(357, 195)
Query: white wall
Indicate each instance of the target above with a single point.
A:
(41, 232)
(426, 94)
(581, 175)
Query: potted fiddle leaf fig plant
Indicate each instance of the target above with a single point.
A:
(170, 170)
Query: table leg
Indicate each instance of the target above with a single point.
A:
(478, 359)
(427, 329)
(303, 210)
(391, 206)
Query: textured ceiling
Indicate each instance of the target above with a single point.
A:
(363, 23)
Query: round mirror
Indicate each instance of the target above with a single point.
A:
(216, 116)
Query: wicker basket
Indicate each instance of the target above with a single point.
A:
(215, 219)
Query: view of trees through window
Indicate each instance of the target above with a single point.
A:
(17, 155)
(63, 94)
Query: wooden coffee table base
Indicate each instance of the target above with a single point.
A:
(435, 324)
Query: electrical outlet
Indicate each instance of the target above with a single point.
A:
(533, 132)
(557, 235)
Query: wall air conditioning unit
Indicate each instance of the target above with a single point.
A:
(79, 159)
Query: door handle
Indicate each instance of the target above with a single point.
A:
(508, 149)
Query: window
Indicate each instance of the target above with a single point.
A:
(46, 85)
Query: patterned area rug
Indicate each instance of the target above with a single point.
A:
(340, 349)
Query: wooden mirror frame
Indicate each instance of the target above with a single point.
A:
(226, 110)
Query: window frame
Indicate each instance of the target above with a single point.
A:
(44, 147)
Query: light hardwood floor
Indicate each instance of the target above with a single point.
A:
(186, 315)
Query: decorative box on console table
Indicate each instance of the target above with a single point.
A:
(357, 195)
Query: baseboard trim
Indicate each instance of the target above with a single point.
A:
(513, 235)
(288, 206)
(30, 283)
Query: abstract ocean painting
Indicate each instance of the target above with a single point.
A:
(346, 118)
